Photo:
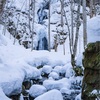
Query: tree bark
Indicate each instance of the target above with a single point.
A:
(49, 29)
(72, 28)
(2, 3)
(33, 9)
(84, 24)
(91, 9)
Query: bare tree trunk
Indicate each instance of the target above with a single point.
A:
(56, 44)
(62, 21)
(68, 30)
(2, 3)
(77, 35)
(33, 9)
(91, 9)
(77, 29)
(49, 29)
(72, 28)
(84, 24)
(64, 48)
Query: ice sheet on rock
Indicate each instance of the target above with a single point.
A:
(51, 95)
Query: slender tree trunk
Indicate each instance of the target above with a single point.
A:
(64, 48)
(77, 29)
(33, 10)
(76, 37)
(62, 21)
(49, 44)
(68, 31)
(2, 3)
(84, 24)
(56, 44)
(91, 9)
(72, 28)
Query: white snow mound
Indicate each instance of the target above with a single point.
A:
(51, 95)
(37, 90)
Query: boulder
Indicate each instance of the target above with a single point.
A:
(91, 63)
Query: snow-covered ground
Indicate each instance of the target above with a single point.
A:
(18, 64)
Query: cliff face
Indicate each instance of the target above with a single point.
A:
(91, 80)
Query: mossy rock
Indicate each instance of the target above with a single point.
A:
(93, 47)
(92, 76)
(92, 56)
(91, 63)
(86, 93)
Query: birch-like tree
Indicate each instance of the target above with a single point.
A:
(92, 8)
(84, 24)
(2, 3)
(33, 14)
(73, 48)
(49, 28)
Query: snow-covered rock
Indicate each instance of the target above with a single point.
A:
(65, 90)
(37, 90)
(54, 75)
(69, 70)
(57, 69)
(47, 69)
(56, 84)
(51, 95)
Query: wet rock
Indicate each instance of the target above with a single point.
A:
(15, 97)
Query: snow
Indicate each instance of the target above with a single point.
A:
(93, 29)
(56, 84)
(78, 97)
(93, 26)
(57, 69)
(65, 90)
(37, 90)
(3, 96)
(69, 70)
(96, 92)
(54, 75)
(18, 64)
(51, 95)
(47, 69)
